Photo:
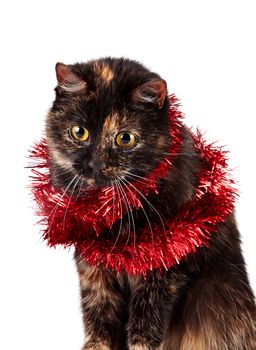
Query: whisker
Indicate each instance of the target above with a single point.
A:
(81, 185)
(182, 154)
(158, 177)
(74, 186)
(137, 176)
(129, 212)
(54, 210)
(56, 175)
(159, 154)
(63, 194)
(150, 204)
(121, 221)
(113, 204)
(144, 178)
(142, 207)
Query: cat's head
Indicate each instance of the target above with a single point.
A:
(109, 121)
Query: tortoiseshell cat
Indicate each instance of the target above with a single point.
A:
(110, 120)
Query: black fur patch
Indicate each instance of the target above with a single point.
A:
(205, 302)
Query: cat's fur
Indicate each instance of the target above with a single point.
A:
(205, 302)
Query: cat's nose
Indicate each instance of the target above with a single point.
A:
(97, 165)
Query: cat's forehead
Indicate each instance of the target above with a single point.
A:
(124, 73)
(97, 114)
(112, 123)
(116, 122)
(112, 94)
(103, 73)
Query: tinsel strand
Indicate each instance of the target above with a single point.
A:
(88, 216)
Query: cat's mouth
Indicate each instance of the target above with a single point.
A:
(105, 178)
(97, 182)
(122, 180)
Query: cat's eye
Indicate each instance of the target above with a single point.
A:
(79, 133)
(126, 139)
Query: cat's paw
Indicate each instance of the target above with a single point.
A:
(96, 346)
(137, 347)
(143, 347)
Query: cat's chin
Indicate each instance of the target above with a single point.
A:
(91, 184)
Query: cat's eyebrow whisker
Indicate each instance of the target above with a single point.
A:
(150, 204)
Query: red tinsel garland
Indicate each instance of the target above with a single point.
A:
(81, 221)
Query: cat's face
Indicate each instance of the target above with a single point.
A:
(109, 121)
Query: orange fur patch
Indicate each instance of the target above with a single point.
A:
(103, 72)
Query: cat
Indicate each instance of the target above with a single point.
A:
(109, 120)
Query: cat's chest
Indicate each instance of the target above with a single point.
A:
(128, 284)
(95, 278)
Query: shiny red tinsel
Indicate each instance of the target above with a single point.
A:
(80, 221)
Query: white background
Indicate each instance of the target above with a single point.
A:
(206, 52)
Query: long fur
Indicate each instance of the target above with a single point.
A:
(205, 302)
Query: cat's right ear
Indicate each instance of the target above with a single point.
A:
(154, 91)
(68, 81)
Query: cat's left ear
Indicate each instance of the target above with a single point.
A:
(154, 91)
(68, 81)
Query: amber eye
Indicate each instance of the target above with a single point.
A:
(126, 139)
(79, 133)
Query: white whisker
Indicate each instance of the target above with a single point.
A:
(81, 185)
(121, 221)
(142, 207)
(54, 210)
(70, 197)
(137, 176)
(150, 204)
(113, 204)
(129, 212)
